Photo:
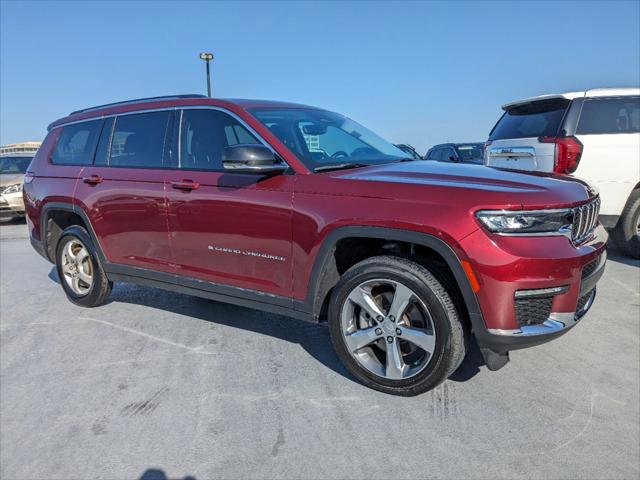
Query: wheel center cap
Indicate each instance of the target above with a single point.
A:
(389, 327)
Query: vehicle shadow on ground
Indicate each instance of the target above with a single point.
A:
(158, 474)
(312, 337)
(615, 255)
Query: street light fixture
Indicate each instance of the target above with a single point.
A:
(207, 57)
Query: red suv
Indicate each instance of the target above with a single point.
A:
(303, 212)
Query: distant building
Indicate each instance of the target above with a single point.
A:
(22, 147)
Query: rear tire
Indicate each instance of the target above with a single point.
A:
(412, 312)
(627, 231)
(79, 269)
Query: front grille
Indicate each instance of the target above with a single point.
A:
(590, 267)
(585, 218)
(533, 311)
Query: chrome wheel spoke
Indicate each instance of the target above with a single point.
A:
(84, 277)
(395, 364)
(401, 299)
(68, 251)
(82, 255)
(362, 297)
(360, 338)
(419, 338)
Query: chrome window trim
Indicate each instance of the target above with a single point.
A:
(182, 108)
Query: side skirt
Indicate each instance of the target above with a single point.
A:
(199, 288)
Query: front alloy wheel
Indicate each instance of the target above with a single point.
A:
(388, 329)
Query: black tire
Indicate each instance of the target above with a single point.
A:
(450, 344)
(100, 288)
(626, 233)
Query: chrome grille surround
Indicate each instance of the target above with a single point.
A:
(585, 219)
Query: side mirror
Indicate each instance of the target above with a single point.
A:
(453, 159)
(252, 158)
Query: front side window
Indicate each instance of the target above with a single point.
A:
(205, 133)
(541, 118)
(76, 144)
(321, 138)
(14, 164)
(138, 140)
(609, 115)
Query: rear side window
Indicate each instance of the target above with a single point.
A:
(535, 119)
(138, 140)
(77, 143)
(610, 115)
(205, 134)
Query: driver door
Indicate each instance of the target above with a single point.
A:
(227, 228)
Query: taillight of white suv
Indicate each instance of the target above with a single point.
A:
(568, 153)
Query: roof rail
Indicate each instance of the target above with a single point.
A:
(139, 100)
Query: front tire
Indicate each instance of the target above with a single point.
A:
(395, 327)
(627, 231)
(79, 269)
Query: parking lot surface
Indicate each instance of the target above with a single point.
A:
(162, 385)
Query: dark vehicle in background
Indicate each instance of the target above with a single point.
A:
(406, 148)
(457, 152)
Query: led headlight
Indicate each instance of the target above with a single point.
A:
(525, 222)
(15, 188)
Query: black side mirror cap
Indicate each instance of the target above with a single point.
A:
(252, 158)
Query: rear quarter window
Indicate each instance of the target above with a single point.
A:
(609, 115)
(138, 140)
(76, 144)
(535, 119)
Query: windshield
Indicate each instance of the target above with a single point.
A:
(14, 164)
(320, 138)
(469, 152)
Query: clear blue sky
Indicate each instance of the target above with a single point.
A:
(415, 72)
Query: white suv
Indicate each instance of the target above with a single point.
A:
(594, 134)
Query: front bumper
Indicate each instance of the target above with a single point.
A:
(508, 266)
(11, 205)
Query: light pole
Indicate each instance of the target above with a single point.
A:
(207, 57)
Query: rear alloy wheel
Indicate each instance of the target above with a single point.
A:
(395, 327)
(81, 274)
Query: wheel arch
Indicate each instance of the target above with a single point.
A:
(55, 217)
(325, 274)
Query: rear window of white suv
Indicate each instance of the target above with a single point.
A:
(609, 115)
(535, 119)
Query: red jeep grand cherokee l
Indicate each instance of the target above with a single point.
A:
(303, 212)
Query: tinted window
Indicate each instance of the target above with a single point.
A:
(467, 153)
(434, 154)
(536, 119)
(76, 143)
(102, 152)
(138, 140)
(610, 115)
(14, 164)
(448, 154)
(205, 134)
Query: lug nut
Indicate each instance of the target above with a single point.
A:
(392, 318)
(398, 331)
(378, 331)
(379, 318)
(389, 339)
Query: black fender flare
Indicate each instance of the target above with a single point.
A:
(323, 274)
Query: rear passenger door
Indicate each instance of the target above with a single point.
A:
(123, 191)
(227, 228)
(609, 130)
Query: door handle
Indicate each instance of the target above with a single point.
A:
(92, 179)
(186, 185)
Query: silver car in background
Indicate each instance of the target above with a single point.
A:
(14, 161)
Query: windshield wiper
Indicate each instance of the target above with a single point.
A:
(405, 159)
(339, 166)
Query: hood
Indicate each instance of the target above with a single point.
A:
(529, 189)
(11, 178)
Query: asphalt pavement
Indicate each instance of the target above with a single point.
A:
(158, 385)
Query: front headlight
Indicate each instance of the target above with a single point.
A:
(525, 222)
(13, 189)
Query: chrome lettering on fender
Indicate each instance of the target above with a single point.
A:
(246, 253)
